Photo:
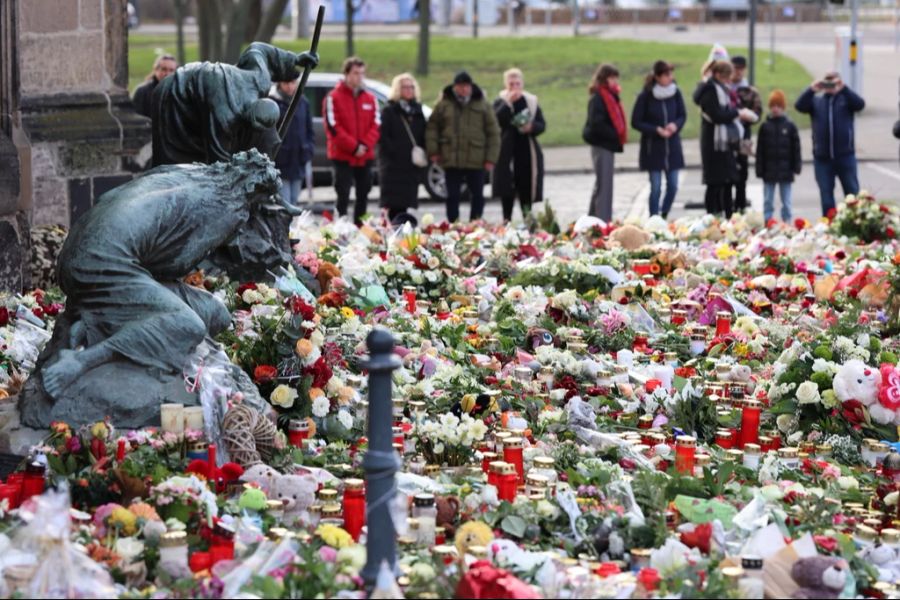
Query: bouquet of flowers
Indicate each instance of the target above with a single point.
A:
(864, 218)
(450, 440)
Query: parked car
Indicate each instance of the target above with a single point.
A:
(317, 87)
(133, 19)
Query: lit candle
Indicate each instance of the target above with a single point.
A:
(354, 508)
(512, 454)
(723, 322)
(409, 293)
(685, 451)
(171, 417)
(193, 418)
(750, 413)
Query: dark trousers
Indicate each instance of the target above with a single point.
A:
(474, 179)
(718, 200)
(844, 168)
(740, 186)
(346, 177)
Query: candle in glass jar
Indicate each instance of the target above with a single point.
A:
(193, 418)
(508, 481)
(298, 431)
(723, 322)
(494, 470)
(685, 451)
(173, 553)
(679, 317)
(750, 413)
(486, 459)
(171, 417)
(512, 453)
(354, 507)
(409, 293)
(120, 450)
(425, 512)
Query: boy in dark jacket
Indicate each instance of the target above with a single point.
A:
(777, 157)
(831, 106)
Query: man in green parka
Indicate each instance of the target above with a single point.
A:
(464, 138)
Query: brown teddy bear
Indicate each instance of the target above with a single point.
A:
(820, 576)
(630, 237)
(447, 513)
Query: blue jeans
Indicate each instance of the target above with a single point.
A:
(844, 168)
(290, 190)
(769, 200)
(656, 189)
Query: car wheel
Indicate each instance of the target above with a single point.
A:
(436, 184)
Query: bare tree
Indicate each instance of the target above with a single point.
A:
(226, 24)
(424, 36)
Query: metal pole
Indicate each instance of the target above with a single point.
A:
(301, 19)
(772, 18)
(381, 461)
(854, 50)
(474, 18)
(548, 17)
(576, 17)
(511, 16)
(751, 70)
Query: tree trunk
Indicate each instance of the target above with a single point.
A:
(204, 26)
(179, 30)
(349, 9)
(424, 36)
(270, 21)
(237, 21)
(216, 14)
(254, 20)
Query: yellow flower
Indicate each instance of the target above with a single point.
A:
(123, 519)
(473, 533)
(99, 430)
(334, 536)
(347, 312)
(283, 396)
(724, 251)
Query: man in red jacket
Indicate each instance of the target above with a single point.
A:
(352, 120)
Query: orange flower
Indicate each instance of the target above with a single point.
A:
(144, 511)
(654, 268)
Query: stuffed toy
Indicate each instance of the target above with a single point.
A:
(887, 409)
(252, 499)
(538, 336)
(262, 476)
(857, 381)
(447, 512)
(885, 561)
(820, 576)
(223, 475)
(296, 492)
(630, 237)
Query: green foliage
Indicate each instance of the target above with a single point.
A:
(558, 70)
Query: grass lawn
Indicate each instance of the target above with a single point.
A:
(558, 70)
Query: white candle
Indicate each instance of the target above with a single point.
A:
(665, 374)
(193, 418)
(171, 417)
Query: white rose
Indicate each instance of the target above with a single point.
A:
(250, 296)
(317, 338)
(433, 262)
(320, 406)
(848, 483)
(389, 269)
(439, 448)
(546, 510)
(417, 277)
(345, 419)
(808, 393)
(283, 396)
(427, 219)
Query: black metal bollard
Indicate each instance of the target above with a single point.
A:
(381, 461)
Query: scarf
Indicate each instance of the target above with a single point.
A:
(721, 142)
(615, 110)
(664, 93)
(405, 105)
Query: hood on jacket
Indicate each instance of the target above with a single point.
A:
(477, 94)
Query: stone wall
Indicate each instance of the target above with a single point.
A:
(72, 124)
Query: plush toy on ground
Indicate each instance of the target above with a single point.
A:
(820, 576)
(855, 380)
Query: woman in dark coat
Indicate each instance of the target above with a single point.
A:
(402, 128)
(520, 168)
(606, 130)
(719, 135)
(659, 115)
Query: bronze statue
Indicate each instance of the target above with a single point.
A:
(129, 318)
(206, 112)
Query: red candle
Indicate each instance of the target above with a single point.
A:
(221, 543)
(651, 385)
(679, 316)
(120, 451)
(723, 323)
(512, 453)
(398, 434)
(508, 481)
(640, 342)
(211, 463)
(298, 430)
(354, 508)
(409, 293)
(200, 561)
(495, 468)
(724, 439)
(750, 413)
(33, 481)
(11, 493)
(486, 459)
(685, 451)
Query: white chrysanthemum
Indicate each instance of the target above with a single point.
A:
(320, 407)
(345, 419)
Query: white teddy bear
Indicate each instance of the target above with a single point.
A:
(297, 491)
(855, 380)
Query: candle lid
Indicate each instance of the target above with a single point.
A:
(577, 346)
(298, 425)
(889, 535)
(412, 523)
(409, 288)
(723, 314)
(432, 469)
(702, 460)
(685, 441)
(752, 449)
(354, 484)
(489, 456)
(497, 466)
(753, 404)
(535, 495)
(278, 533)
(823, 449)
(646, 419)
(788, 452)
(544, 462)
(513, 443)
(734, 455)
(172, 539)
(765, 440)
(331, 510)
(640, 552)
(274, 505)
(733, 573)
(536, 480)
(327, 494)
(723, 433)
(423, 500)
(315, 509)
(866, 533)
(444, 550)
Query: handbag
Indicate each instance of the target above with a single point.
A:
(418, 155)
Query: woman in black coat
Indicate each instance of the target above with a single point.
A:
(659, 115)
(520, 168)
(720, 133)
(402, 124)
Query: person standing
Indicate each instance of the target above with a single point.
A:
(606, 131)
(721, 132)
(401, 146)
(778, 157)
(659, 114)
(520, 168)
(163, 66)
(352, 123)
(463, 136)
(831, 106)
(747, 97)
(299, 141)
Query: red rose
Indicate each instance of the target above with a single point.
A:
(264, 374)
(699, 538)
(771, 222)
(38, 312)
(890, 232)
(828, 544)
(883, 208)
(800, 223)
(328, 216)
(831, 213)
(52, 309)
(320, 372)
(853, 411)
(4, 316)
(244, 287)
(299, 307)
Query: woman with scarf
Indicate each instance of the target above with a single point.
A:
(606, 131)
(402, 129)
(659, 115)
(721, 133)
(520, 168)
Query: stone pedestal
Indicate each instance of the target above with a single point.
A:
(68, 131)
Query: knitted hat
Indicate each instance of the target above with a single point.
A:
(776, 98)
